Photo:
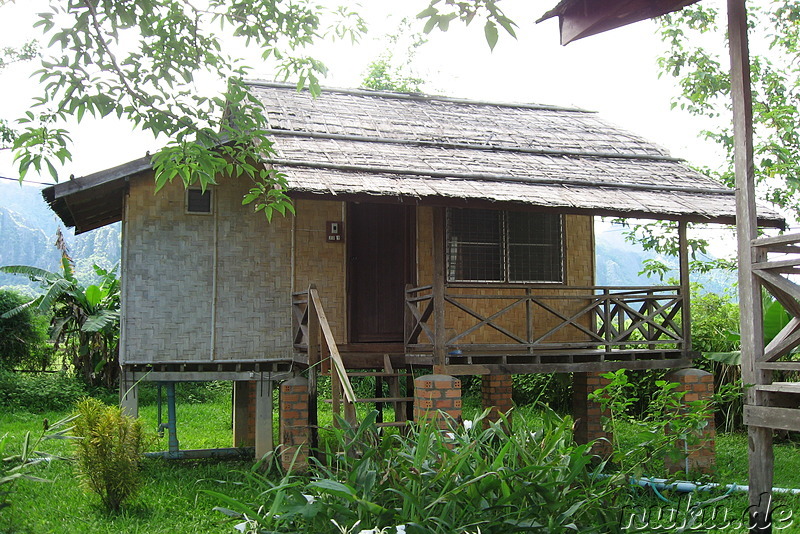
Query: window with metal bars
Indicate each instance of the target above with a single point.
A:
(503, 246)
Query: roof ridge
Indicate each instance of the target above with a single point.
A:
(421, 97)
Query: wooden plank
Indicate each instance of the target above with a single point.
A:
(787, 339)
(780, 366)
(785, 291)
(264, 438)
(780, 387)
(776, 264)
(531, 368)
(777, 240)
(770, 418)
(336, 359)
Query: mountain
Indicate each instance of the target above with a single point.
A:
(28, 233)
(619, 262)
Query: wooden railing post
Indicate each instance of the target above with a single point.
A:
(439, 330)
(760, 453)
(686, 316)
(313, 369)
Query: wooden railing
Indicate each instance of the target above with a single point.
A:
(310, 320)
(496, 319)
(773, 273)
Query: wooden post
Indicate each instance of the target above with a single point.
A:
(439, 331)
(752, 336)
(314, 356)
(264, 439)
(683, 258)
(128, 394)
(241, 413)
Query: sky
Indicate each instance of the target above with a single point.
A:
(614, 73)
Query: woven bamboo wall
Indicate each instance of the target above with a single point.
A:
(173, 307)
(579, 271)
(322, 263)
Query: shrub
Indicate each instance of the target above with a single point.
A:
(466, 480)
(108, 451)
(40, 392)
(23, 335)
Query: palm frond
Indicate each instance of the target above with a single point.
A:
(19, 309)
(56, 289)
(101, 320)
(34, 273)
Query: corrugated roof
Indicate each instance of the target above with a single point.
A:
(354, 142)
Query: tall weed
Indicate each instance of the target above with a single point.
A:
(428, 481)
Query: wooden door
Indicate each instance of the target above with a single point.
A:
(380, 264)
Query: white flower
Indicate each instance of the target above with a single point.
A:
(467, 426)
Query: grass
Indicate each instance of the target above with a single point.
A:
(171, 502)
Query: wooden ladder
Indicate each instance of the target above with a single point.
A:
(400, 399)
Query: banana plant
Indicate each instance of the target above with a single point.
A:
(85, 320)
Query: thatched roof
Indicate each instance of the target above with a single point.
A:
(393, 147)
(351, 143)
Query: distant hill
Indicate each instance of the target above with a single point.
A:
(28, 233)
(28, 229)
(619, 263)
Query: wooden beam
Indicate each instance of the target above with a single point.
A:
(767, 418)
(439, 331)
(761, 460)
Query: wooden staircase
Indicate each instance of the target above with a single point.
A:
(324, 356)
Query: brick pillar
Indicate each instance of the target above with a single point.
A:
(295, 433)
(496, 392)
(698, 385)
(434, 394)
(587, 414)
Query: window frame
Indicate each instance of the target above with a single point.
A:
(208, 191)
(505, 247)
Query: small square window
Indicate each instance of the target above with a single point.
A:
(198, 201)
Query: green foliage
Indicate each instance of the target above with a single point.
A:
(22, 336)
(85, 320)
(670, 427)
(476, 480)
(439, 14)
(16, 467)
(393, 71)
(108, 452)
(698, 60)
(40, 392)
(159, 64)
